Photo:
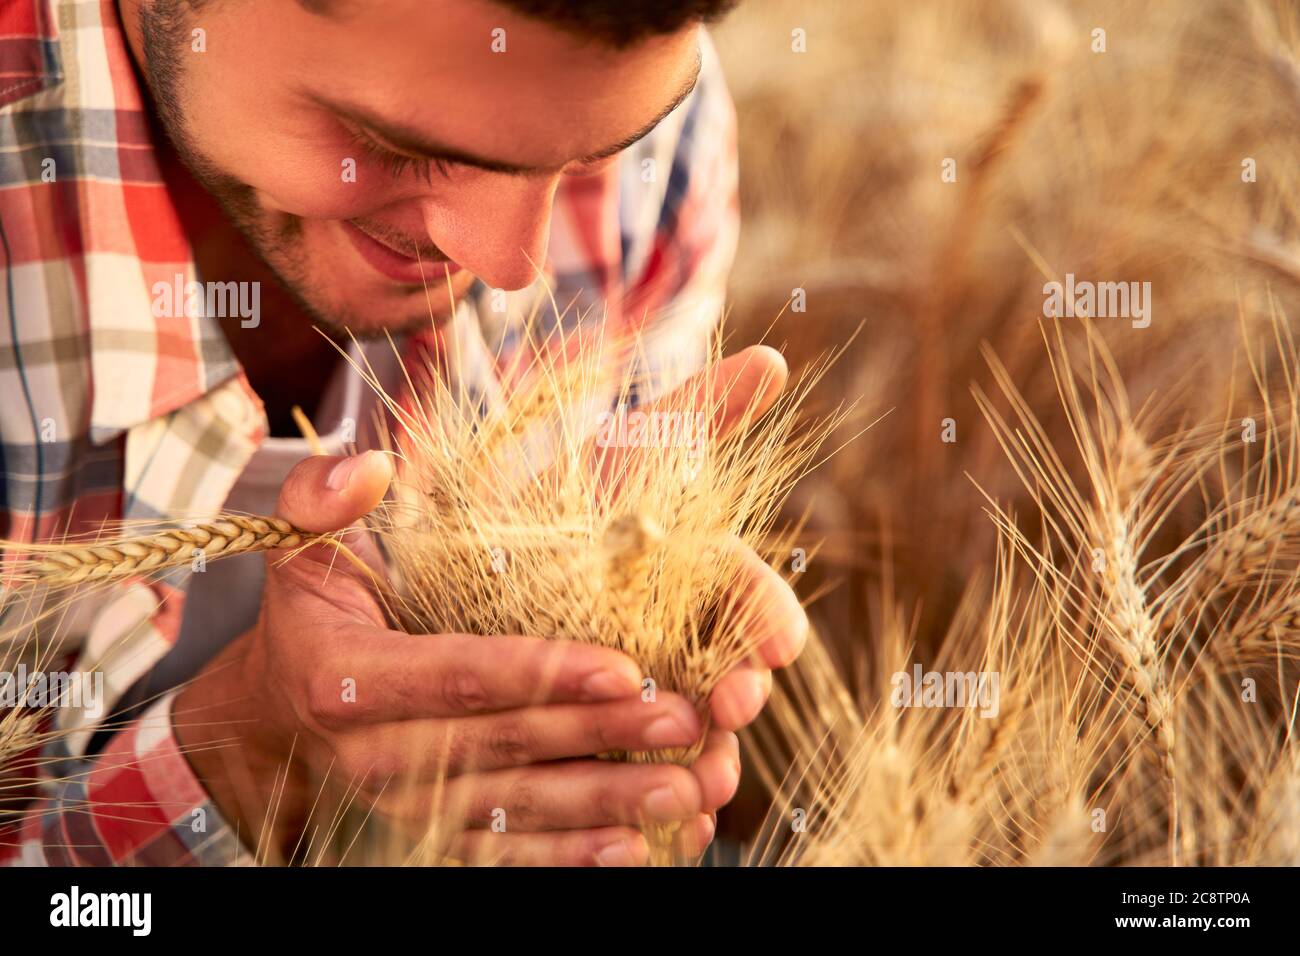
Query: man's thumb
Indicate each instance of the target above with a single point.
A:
(325, 493)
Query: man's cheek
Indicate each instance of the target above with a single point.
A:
(311, 184)
(320, 188)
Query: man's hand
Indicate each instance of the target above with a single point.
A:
(321, 688)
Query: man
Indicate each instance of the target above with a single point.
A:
(390, 166)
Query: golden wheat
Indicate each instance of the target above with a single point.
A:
(116, 558)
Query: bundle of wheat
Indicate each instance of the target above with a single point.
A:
(568, 511)
(571, 514)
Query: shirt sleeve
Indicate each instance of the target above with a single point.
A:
(138, 803)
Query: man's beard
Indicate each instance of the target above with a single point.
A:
(276, 242)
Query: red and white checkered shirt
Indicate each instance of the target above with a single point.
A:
(109, 413)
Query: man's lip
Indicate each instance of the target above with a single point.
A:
(392, 264)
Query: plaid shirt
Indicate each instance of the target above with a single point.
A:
(110, 413)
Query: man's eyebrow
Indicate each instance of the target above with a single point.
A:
(417, 143)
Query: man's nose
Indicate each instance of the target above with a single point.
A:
(497, 229)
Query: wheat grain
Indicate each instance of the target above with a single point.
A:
(71, 564)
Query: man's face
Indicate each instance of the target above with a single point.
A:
(386, 144)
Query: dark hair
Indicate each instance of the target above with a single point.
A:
(620, 23)
(616, 23)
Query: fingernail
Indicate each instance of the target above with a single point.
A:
(616, 854)
(663, 804)
(760, 688)
(669, 731)
(606, 685)
(341, 474)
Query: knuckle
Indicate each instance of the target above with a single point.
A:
(324, 704)
(609, 806)
(585, 850)
(457, 750)
(523, 803)
(510, 741)
(600, 736)
(481, 805)
(463, 691)
(389, 767)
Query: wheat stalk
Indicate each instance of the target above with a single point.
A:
(17, 733)
(632, 548)
(99, 562)
(1244, 548)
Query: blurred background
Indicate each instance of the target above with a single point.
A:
(1122, 165)
(1125, 141)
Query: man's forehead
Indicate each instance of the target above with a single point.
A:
(470, 103)
(446, 142)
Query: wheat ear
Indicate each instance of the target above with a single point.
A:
(631, 544)
(1067, 838)
(1265, 634)
(73, 563)
(1241, 550)
(1133, 637)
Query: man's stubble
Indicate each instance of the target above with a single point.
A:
(275, 240)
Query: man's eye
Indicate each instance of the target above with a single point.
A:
(398, 164)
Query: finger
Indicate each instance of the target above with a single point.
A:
(732, 392)
(772, 617)
(751, 381)
(326, 493)
(558, 731)
(409, 676)
(575, 795)
(737, 389)
(607, 846)
(740, 696)
(694, 837)
(380, 756)
(717, 769)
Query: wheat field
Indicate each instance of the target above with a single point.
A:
(1110, 527)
